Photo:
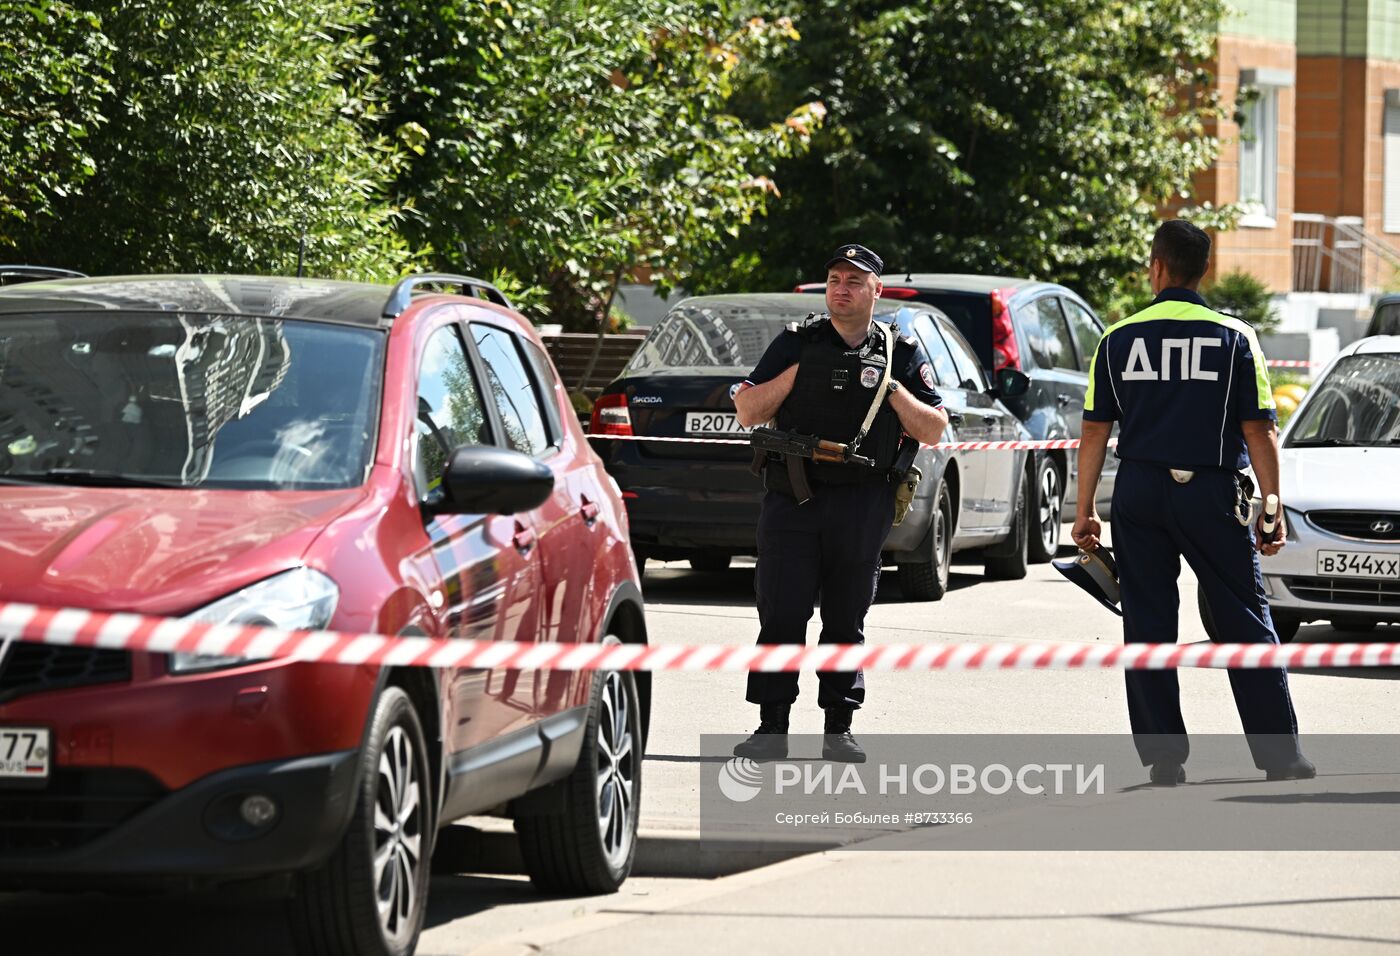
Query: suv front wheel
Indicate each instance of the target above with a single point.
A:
(369, 898)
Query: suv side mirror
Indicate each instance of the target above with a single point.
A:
(1010, 383)
(486, 480)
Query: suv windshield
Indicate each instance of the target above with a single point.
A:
(710, 336)
(1358, 403)
(187, 400)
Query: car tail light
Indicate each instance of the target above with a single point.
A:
(1005, 352)
(610, 416)
(898, 293)
(810, 287)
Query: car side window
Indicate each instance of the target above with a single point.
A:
(450, 413)
(512, 389)
(546, 380)
(1048, 334)
(970, 375)
(944, 370)
(1087, 330)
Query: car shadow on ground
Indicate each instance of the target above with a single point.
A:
(675, 583)
(1323, 633)
(150, 924)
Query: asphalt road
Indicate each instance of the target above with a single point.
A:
(1081, 901)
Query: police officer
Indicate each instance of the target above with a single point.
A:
(821, 379)
(1189, 389)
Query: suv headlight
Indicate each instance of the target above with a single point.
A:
(300, 599)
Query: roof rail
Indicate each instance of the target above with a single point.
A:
(37, 272)
(403, 290)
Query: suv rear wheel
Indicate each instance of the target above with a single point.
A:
(1049, 509)
(589, 845)
(927, 580)
(369, 898)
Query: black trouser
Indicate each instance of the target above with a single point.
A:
(828, 546)
(1156, 521)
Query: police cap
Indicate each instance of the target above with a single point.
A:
(858, 256)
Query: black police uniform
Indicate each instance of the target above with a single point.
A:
(1180, 378)
(831, 544)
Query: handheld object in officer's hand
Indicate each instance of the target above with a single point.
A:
(1270, 520)
(1096, 572)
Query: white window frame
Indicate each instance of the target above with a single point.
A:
(1258, 147)
(1259, 156)
(1390, 163)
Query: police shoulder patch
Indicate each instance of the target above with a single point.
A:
(926, 375)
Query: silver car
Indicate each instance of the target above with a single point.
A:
(1340, 484)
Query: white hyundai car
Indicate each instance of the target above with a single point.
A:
(1340, 484)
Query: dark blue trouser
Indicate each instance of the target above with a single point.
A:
(830, 545)
(1156, 521)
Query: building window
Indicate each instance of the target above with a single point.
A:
(1258, 117)
(1390, 200)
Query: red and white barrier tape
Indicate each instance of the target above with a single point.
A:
(76, 627)
(941, 446)
(1291, 363)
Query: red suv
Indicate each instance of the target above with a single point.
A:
(305, 454)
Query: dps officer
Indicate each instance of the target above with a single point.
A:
(1190, 391)
(824, 379)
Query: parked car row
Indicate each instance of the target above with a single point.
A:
(701, 502)
(1011, 357)
(305, 454)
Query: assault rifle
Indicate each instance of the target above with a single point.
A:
(794, 447)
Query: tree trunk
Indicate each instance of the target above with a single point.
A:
(602, 328)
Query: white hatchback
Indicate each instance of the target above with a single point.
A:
(1340, 484)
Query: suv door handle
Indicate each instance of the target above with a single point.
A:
(589, 511)
(1064, 399)
(954, 418)
(524, 538)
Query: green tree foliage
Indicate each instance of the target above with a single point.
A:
(1004, 137)
(53, 73)
(1244, 296)
(231, 126)
(564, 142)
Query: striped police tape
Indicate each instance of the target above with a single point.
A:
(941, 446)
(134, 632)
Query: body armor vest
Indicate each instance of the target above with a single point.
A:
(830, 399)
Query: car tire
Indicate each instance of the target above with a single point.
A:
(588, 846)
(927, 580)
(709, 562)
(1285, 624)
(1048, 509)
(1012, 566)
(351, 905)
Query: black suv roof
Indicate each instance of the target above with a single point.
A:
(325, 300)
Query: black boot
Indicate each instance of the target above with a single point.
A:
(769, 741)
(837, 743)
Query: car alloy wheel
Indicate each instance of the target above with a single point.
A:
(582, 837)
(616, 753)
(1049, 507)
(398, 835)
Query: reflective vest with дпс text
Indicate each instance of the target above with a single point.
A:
(1180, 378)
(831, 396)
